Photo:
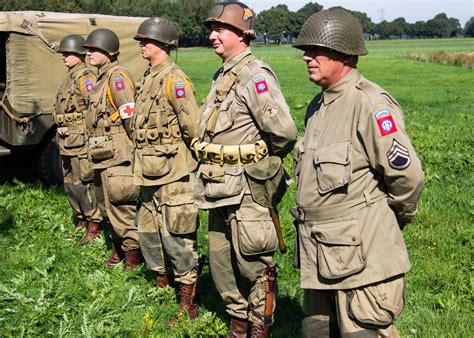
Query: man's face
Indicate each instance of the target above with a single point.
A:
(97, 57)
(325, 67)
(148, 48)
(226, 40)
(71, 59)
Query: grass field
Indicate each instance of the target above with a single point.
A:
(49, 285)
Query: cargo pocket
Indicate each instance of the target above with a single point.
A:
(339, 248)
(255, 236)
(221, 182)
(158, 162)
(180, 219)
(267, 181)
(101, 148)
(333, 166)
(378, 304)
(76, 138)
(120, 185)
(86, 173)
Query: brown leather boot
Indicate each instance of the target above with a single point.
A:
(164, 280)
(132, 258)
(186, 303)
(118, 254)
(238, 328)
(93, 232)
(260, 331)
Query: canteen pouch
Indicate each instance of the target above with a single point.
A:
(221, 182)
(180, 219)
(256, 231)
(333, 166)
(86, 173)
(379, 304)
(101, 148)
(158, 161)
(267, 181)
(339, 248)
(120, 185)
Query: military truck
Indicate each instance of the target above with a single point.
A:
(31, 72)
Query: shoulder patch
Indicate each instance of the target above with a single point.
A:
(385, 122)
(119, 83)
(89, 86)
(398, 156)
(180, 90)
(260, 85)
(126, 110)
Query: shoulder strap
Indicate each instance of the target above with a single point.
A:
(116, 113)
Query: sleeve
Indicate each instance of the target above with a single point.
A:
(392, 155)
(87, 85)
(181, 96)
(265, 101)
(122, 89)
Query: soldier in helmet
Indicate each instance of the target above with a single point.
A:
(70, 113)
(359, 181)
(111, 106)
(164, 124)
(245, 132)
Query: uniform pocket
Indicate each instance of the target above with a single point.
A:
(378, 304)
(339, 248)
(221, 182)
(180, 219)
(256, 235)
(86, 173)
(120, 185)
(75, 137)
(158, 161)
(101, 148)
(333, 166)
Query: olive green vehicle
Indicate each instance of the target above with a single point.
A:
(31, 72)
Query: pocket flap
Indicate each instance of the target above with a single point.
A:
(343, 232)
(264, 169)
(211, 172)
(167, 149)
(334, 153)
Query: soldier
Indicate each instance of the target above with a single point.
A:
(70, 112)
(245, 132)
(359, 181)
(164, 124)
(111, 106)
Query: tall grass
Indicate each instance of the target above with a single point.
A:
(49, 285)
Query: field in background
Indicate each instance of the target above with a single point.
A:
(49, 285)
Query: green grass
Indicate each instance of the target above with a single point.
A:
(49, 285)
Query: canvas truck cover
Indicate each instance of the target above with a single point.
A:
(33, 69)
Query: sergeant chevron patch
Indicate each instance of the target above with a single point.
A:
(398, 156)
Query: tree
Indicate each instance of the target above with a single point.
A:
(443, 27)
(469, 27)
(362, 17)
(274, 21)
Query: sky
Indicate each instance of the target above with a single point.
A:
(378, 10)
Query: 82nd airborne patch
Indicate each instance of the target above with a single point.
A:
(89, 86)
(180, 90)
(119, 84)
(260, 85)
(385, 122)
(398, 156)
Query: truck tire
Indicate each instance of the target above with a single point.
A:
(49, 163)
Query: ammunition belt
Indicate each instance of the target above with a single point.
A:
(69, 119)
(213, 153)
(104, 131)
(153, 136)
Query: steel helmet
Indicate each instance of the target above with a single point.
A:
(72, 43)
(159, 29)
(235, 14)
(103, 39)
(336, 29)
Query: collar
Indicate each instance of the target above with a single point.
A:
(332, 93)
(229, 64)
(156, 69)
(105, 68)
(76, 68)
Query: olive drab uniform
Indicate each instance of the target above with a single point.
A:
(70, 113)
(111, 106)
(245, 131)
(164, 124)
(359, 181)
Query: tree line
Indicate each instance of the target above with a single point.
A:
(277, 23)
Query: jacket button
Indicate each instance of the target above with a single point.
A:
(353, 239)
(268, 173)
(210, 174)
